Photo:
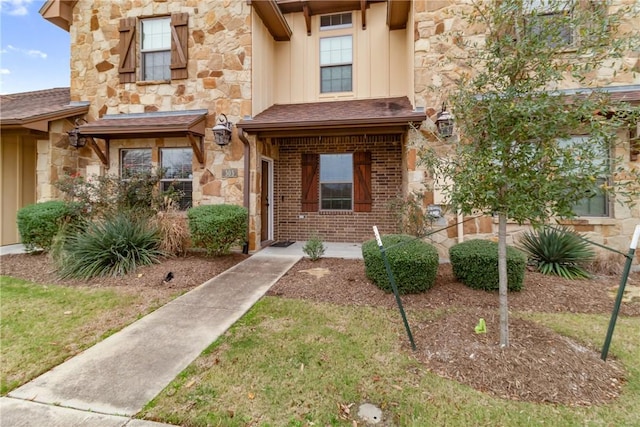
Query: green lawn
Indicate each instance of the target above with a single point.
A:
(297, 363)
(43, 325)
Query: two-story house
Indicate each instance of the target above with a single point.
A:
(320, 95)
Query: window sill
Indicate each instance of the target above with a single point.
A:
(335, 212)
(152, 82)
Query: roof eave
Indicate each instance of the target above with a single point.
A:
(273, 19)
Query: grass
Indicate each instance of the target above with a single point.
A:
(297, 363)
(43, 325)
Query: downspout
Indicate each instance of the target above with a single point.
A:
(247, 184)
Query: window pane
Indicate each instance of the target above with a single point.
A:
(336, 196)
(336, 167)
(186, 189)
(176, 163)
(134, 162)
(336, 50)
(157, 65)
(156, 34)
(335, 79)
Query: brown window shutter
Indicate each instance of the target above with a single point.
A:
(127, 50)
(362, 199)
(310, 182)
(179, 45)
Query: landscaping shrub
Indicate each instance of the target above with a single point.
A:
(174, 232)
(113, 247)
(314, 248)
(475, 263)
(217, 227)
(39, 223)
(558, 251)
(414, 263)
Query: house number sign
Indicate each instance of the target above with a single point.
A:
(230, 173)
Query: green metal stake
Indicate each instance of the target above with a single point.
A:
(623, 282)
(394, 286)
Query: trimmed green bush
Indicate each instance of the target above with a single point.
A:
(314, 248)
(39, 223)
(217, 227)
(558, 251)
(112, 247)
(475, 263)
(413, 262)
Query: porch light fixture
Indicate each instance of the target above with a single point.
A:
(76, 139)
(222, 131)
(444, 122)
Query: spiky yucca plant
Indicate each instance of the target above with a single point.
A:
(115, 246)
(559, 251)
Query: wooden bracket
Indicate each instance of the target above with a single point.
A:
(363, 9)
(307, 17)
(102, 155)
(198, 148)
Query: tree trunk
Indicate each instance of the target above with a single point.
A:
(503, 284)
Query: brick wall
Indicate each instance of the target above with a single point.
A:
(386, 183)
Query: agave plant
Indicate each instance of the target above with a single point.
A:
(559, 251)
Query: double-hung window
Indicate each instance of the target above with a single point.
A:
(155, 49)
(550, 20)
(177, 173)
(336, 181)
(595, 202)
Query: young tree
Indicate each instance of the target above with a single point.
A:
(515, 157)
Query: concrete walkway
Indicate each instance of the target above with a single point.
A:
(110, 382)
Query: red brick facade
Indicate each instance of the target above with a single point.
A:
(386, 184)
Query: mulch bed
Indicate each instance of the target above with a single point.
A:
(538, 366)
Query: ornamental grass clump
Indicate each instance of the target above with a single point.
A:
(558, 251)
(113, 247)
(475, 263)
(414, 263)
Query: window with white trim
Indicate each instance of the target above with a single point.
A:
(551, 20)
(336, 21)
(155, 49)
(336, 181)
(176, 165)
(595, 202)
(336, 64)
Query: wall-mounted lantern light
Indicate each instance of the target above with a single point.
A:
(222, 131)
(76, 139)
(444, 122)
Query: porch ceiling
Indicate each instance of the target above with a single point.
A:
(386, 115)
(272, 12)
(143, 125)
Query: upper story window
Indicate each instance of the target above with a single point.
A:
(334, 22)
(550, 20)
(162, 48)
(336, 64)
(155, 49)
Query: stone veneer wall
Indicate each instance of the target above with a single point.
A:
(219, 77)
(386, 183)
(435, 22)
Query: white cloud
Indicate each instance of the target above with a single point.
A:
(34, 53)
(15, 7)
(4, 71)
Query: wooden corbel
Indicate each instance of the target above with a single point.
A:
(307, 17)
(198, 147)
(102, 155)
(363, 9)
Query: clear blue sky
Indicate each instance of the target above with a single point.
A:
(34, 53)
